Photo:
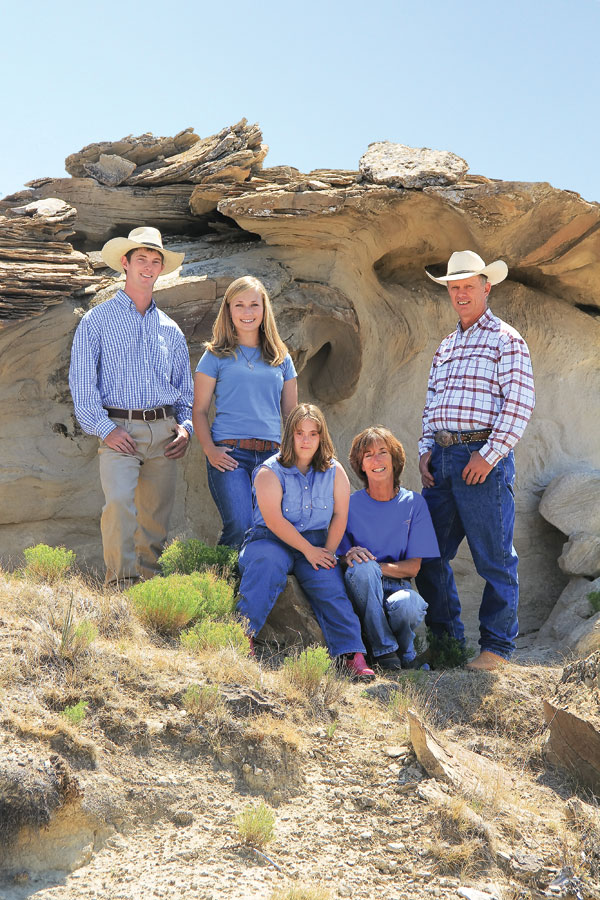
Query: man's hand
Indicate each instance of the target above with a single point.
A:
(476, 470)
(176, 448)
(357, 554)
(121, 441)
(425, 470)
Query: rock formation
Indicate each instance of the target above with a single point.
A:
(342, 255)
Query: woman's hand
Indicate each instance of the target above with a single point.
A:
(357, 554)
(319, 557)
(220, 459)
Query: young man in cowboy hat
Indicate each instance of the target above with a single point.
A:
(479, 399)
(131, 384)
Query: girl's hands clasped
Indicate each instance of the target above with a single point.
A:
(320, 557)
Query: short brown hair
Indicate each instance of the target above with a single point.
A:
(322, 459)
(130, 253)
(363, 441)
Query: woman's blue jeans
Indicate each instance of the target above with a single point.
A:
(389, 609)
(485, 514)
(232, 493)
(265, 563)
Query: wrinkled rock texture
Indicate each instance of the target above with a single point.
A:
(342, 256)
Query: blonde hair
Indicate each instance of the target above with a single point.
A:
(363, 441)
(322, 459)
(224, 338)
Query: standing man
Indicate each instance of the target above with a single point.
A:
(131, 384)
(479, 399)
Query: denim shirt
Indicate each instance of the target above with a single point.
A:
(307, 500)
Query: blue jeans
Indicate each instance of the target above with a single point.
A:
(389, 609)
(232, 493)
(485, 514)
(265, 562)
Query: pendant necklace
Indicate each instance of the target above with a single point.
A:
(249, 361)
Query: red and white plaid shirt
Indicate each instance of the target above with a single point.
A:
(480, 378)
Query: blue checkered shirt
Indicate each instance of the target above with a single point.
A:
(124, 360)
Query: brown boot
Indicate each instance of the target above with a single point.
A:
(486, 662)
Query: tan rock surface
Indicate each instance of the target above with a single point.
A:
(407, 167)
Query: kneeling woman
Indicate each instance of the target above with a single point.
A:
(389, 531)
(300, 515)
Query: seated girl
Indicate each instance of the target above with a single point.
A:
(389, 531)
(300, 515)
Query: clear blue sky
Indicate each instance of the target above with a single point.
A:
(511, 85)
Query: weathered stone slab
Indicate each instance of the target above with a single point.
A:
(572, 610)
(292, 621)
(581, 555)
(397, 165)
(110, 169)
(571, 502)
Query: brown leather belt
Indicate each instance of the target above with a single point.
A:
(146, 415)
(447, 438)
(251, 444)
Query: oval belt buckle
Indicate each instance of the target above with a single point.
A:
(443, 438)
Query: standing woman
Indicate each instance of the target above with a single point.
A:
(302, 496)
(248, 370)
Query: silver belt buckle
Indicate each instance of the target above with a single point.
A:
(144, 411)
(443, 438)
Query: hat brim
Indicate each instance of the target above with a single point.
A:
(117, 247)
(495, 272)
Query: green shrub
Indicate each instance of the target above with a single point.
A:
(594, 598)
(446, 652)
(44, 563)
(169, 604)
(185, 557)
(75, 714)
(306, 670)
(209, 635)
(255, 825)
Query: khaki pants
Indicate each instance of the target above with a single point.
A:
(139, 492)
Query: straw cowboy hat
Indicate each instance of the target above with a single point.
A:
(465, 264)
(114, 249)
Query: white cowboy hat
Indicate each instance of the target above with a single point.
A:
(114, 249)
(465, 264)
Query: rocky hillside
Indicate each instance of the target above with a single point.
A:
(126, 762)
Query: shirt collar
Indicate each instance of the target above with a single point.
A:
(125, 300)
(486, 320)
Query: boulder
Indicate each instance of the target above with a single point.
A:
(571, 502)
(573, 718)
(407, 167)
(292, 622)
(110, 169)
(572, 611)
(581, 555)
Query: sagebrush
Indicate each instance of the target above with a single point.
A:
(169, 604)
(306, 670)
(210, 635)
(256, 825)
(50, 564)
(185, 557)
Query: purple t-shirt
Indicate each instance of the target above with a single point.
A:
(395, 529)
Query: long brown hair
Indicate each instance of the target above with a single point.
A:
(225, 341)
(322, 459)
(363, 441)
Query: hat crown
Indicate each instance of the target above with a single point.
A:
(146, 235)
(464, 261)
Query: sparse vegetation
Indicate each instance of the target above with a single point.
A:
(169, 604)
(209, 635)
(306, 670)
(301, 893)
(75, 714)
(49, 564)
(594, 599)
(185, 557)
(200, 699)
(75, 639)
(255, 825)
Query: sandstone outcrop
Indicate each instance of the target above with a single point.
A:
(343, 258)
(408, 167)
(573, 717)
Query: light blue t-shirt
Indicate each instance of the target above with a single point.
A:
(247, 401)
(307, 500)
(400, 528)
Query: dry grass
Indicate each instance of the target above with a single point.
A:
(301, 893)
(463, 842)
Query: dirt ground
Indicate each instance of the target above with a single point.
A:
(139, 798)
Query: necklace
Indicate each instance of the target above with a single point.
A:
(249, 360)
